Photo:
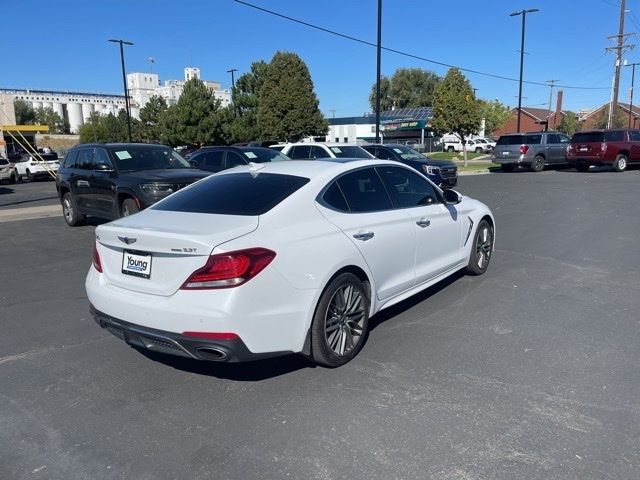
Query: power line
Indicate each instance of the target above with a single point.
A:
(399, 52)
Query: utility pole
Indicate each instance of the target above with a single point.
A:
(633, 76)
(524, 16)
(124, 81)
(619, 48)
(379, 47)
(550, 82)
(233, 86)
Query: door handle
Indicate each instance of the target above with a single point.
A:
(364, 236)
(423, 222)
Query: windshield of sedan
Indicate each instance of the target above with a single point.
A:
(350, 151)
(132, 158)
(407, 153)
(262, 155)
(234, 194)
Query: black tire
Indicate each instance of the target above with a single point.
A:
(450, 149)
(13, 179)
(128, 207)
(582, 167)
(29, 176)
(507, 167)
(340, 323)
(478, 150)
(620, 163)
(481, 249)
(537, 165)
(70, 211)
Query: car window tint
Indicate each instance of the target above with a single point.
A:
(233, 160)
(211, 161)
(70, 159)
(532, 139)
(334, 198)
(299, 152)
(510, 140)
(318, 152)
(614, 136)
(101, 157)
(635, 135)
(564, 138)
(85, 159)
(407, 188)
(553, 138)
(349, 151)
(384, 154)
(364, 191)
(587, 137)
(234, 194)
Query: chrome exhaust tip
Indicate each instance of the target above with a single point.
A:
(212, 354)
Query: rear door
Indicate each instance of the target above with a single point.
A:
(79, 179)
(634, 138)
(553, 148)
(102, 183)
(383, 234)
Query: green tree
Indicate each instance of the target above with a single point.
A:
(495, 114)
(150, 114)
(108, 128)
(46, 116)
(25, 114)
(196, 118)
(246, 98)
(602, 119)
(569, 123)
(407, 88)
(455, 109)
(288, 107)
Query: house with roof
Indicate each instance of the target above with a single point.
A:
(631, 114)
(533, 119)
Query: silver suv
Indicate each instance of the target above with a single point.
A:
(533, 150)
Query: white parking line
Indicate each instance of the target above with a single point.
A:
(29, 213)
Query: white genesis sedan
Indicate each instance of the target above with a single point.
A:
(274, 258)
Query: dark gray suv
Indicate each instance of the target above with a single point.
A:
(533, 150)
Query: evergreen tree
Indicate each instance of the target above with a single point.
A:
(407, 88)
(455, 109)
(288, 107)
(196, 118)
(150, 119)
(246, 98)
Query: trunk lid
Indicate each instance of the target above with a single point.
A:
(174, 244)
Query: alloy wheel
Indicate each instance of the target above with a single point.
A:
(484, 246)
(67, 210)
(344, 320)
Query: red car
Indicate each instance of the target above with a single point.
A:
(617, 148)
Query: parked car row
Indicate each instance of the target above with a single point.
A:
(616, 148)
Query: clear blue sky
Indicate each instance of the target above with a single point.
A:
(63, 45)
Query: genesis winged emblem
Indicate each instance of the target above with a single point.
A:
(127, 240)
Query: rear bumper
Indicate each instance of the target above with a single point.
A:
(597, 161)
(230, 351)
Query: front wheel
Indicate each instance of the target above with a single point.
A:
(450, 149)
(620, 163)
(538, 164)
(481, 249)
(129, 207)
(341, 320)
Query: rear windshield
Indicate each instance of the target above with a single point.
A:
(588, 137)
(262, 155)
(132, 158)
(350, 152)
(511, 140)
(234, 194)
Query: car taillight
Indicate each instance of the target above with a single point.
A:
(231, 269)
(524, 149)
(97, 264)
(212, 335)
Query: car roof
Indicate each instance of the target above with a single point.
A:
(321, 168)
(121, 145)
(325, 144)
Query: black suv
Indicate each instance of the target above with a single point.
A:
(217, 159)
(443, 173)
(119, 179)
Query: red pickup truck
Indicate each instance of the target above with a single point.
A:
(617, 148)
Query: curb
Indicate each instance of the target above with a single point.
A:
(30, 213)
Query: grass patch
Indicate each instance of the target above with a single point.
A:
(474, 166)
(451, 156)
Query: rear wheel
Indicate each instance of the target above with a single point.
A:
(537, 165)
(70, 210)
(450, 149)
(13, 178)
(129, 207)
(340, 323)
(620, 163)
(507, 167)
(481, 250)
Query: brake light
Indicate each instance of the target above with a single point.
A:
(231, 269)
(524, 149)
(212, 335)
(97, 264)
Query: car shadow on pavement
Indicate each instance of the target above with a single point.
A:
(412, 301)
(248, 371)
(4, 190)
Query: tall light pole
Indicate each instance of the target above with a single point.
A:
(633, 77)
(378, 71)
(524, 16)
(124, 81)
(233, 86)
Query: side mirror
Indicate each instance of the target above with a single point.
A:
(451, 197)
(103, 167)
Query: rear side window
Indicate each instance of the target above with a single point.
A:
(635, 135)
(587, 137)
(532, 139)
(234, 194)
(333, 198)
(614, 136)
(350, 151)
(299, 152)
(511, 140)
(318, 152)
(364, 191)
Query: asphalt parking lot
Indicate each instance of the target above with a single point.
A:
(530, 371)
